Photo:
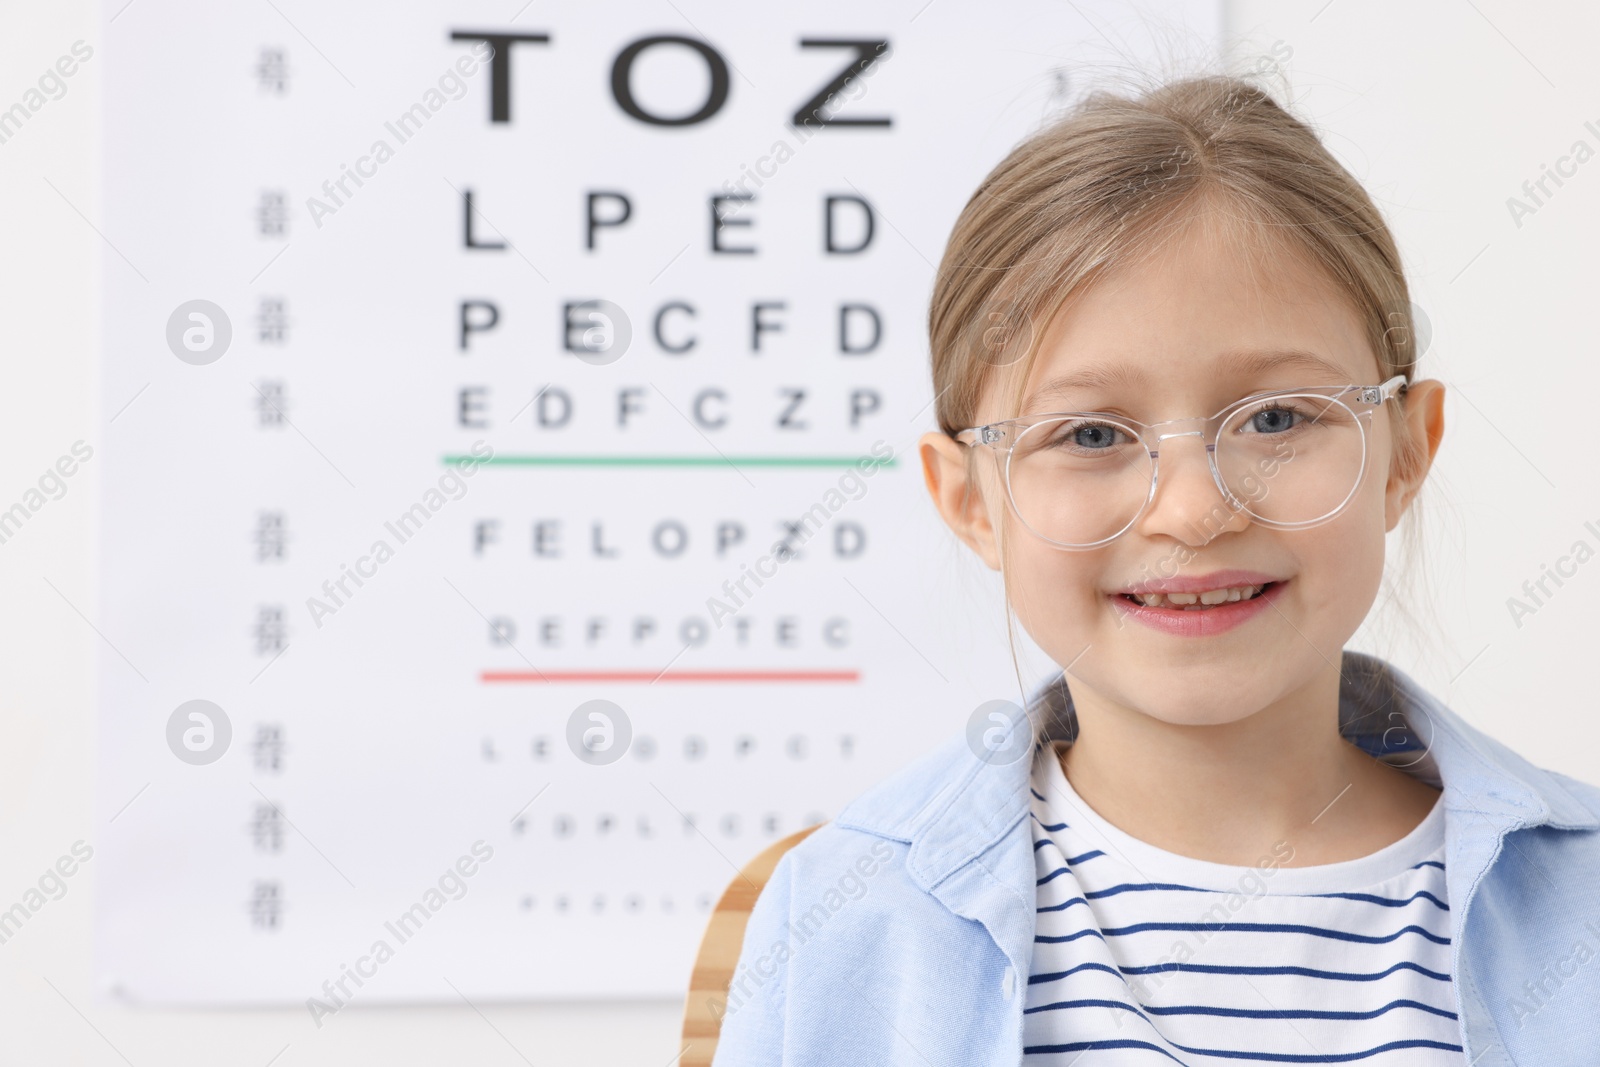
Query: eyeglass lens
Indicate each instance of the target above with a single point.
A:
(1288, 461)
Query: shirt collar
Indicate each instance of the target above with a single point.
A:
(951, 805)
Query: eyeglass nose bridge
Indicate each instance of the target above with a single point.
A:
(1199, 427)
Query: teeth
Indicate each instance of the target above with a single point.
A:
(1197, 601)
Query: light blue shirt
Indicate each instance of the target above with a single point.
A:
(901, 932)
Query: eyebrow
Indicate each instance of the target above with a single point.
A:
(1235, 364)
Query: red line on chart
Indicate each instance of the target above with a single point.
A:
(671, 676)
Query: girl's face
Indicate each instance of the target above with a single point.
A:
(1203, 321)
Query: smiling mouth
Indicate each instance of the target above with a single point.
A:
(1201, 601)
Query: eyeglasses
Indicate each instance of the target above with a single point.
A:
(1289, 460)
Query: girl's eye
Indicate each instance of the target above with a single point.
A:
(1095, 436)
(1272, 420)
(1083, 437)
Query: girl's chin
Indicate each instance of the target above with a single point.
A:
(1210, 694)
(1190, 716)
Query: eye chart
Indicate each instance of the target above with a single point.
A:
(512, 517)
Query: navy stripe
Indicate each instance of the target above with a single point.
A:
(1074, 859)
(1050, 826)
(1063, 906)
(1389, 902)
(1303, 972)
(1035, 979)
(1279, 928)
(1272, 1057)
(1333, 1057)
(1142, 887)
(1146, 887)
(1115, 1004)
(1085, 1046)
(1043, 940)
(1427, 863)
(1057, 873)
(1247, 1013)
(1037, 794)
(1218, 968)
(1301, 1013)
(1071, 861)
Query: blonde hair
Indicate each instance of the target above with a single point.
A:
(1101, 185)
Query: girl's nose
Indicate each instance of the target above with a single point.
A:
(1188, 506)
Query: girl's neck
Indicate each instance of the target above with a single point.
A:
(1228, 793)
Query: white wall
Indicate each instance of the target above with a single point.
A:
(1443, 109)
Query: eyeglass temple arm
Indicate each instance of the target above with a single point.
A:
(1377, 394)
(974, 436)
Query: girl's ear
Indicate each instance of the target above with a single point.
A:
(961, 503)
(1423, 427)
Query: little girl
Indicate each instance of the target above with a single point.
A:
(1173, 360)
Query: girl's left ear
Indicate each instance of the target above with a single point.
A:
(1420, 430)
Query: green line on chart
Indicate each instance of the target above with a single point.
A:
(667, 461)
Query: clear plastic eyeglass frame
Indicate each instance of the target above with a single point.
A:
(1359, 400)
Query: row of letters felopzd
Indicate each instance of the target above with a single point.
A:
(556, 538)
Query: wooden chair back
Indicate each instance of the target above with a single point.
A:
(719, 952)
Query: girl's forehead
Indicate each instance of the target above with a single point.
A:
(1206, 307)
(1213, 275)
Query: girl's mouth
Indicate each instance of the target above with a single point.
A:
(1200, 601)
(1207, 607)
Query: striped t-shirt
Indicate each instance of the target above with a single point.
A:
(1142, 956)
